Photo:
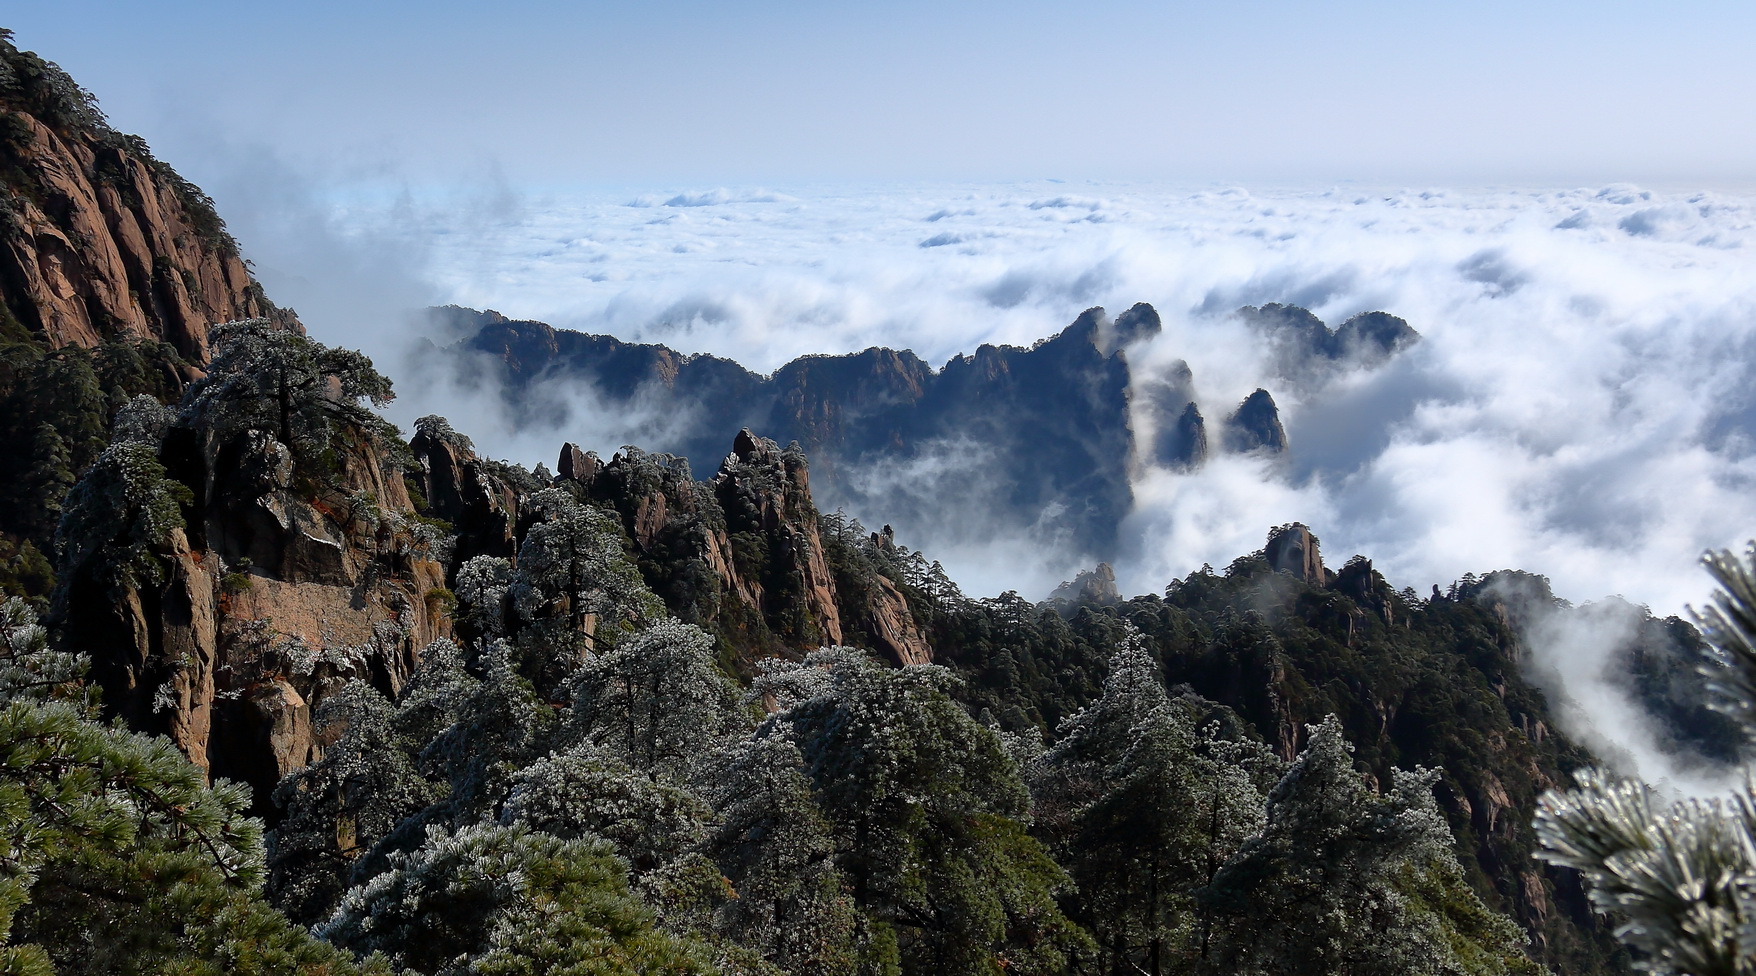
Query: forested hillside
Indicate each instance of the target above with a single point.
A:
(298, 693)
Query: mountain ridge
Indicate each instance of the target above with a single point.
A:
(1052, 427)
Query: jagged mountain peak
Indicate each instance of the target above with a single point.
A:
(1054, 425)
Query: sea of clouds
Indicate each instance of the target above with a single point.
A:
(1581, 404)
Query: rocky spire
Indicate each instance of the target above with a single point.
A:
(1293, 549)
(578, 465)
(1184, 446)
(1256, 426)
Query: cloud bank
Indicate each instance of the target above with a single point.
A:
(1581, 405)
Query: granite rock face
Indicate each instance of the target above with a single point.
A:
(100, 241)
(277, 592)
(1255, 426)
(1184, 446)
(464, 490)
(1307, 352)
(1094, 587)
(744, 553)
(767, 492)
(1293, 549)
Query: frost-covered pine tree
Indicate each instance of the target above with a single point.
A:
(483, 583)
(366, 784)
(122, 509)
(571, 566)
(501, 726)
(585, 792)
(285, 384)
(30, 670)
(781, 684)
(115, 854)
(509, 901)
(1679, 877)
(1343, 879)
(573, 592)
(776, 849)
(656, 701)
(928, 814)
(1141, 809)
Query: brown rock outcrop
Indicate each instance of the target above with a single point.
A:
(577, 465)
(1293, 549)
(1093, 586)
(274, 595)
(887, 619)
(460, 489)
(744, 554)
(764, 489)
(99, 241)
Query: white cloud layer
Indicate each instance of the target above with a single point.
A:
(1581, 406)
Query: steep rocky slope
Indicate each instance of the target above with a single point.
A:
(113, 271)
(100, 241)
(224, 583)
(742, 554)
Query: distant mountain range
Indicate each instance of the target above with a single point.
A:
(1043, 438)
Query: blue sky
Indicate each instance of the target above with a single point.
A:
(538, 93)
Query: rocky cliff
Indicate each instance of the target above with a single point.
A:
(99, 240)
(1255, 426)
(742, 554)
(113, 271)
(277, 588)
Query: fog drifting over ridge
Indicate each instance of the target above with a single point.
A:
(1579, 407)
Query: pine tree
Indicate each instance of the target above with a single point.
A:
(366, 784)
(774, 845)
(1680, 876)
(482, 586)
(928, 815)
(120, 512)
(1114, 797)
(296, 390)
(656, 701)
(500, 728)
(505, 900)
(73, 402)
(574, 590)
(585, 792)
(1344, 879)
(45, 482)
(30, 670)
(1142, 809)
(115, 856)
